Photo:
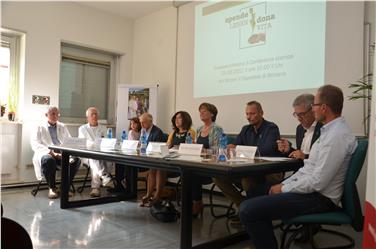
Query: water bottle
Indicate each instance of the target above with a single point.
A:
(123, 135)
(109, 133)
(222, 148)
(143, 142)
(188, 138)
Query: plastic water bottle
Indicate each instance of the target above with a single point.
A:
(109, 133)
(143, 142)
(123, 135)
(222, 148)
(188, 138)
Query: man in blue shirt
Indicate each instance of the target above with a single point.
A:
(317, 186)
(261, 133)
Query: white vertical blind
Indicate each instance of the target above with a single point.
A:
(83, 85)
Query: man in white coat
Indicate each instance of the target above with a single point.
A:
(47, 161)
(99, 168)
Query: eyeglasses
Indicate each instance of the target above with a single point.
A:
(317, 104)
(301, 114)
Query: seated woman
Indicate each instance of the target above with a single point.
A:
(134, 129)
(208, 135)
(181, 124)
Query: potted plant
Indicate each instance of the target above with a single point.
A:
(362, 89)
(12, 101)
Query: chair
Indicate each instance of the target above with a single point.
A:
(41, 179)
(230, 211)
(35, 190)
(13, 235)
(350, 213)
(86, 179)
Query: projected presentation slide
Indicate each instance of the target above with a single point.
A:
(250, 47)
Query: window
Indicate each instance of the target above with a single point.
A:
(85, 80)
(9, 71)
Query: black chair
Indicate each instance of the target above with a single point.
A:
(230, 211)
(351, 212)
(35, 190)
(86, 179)
(13, 235)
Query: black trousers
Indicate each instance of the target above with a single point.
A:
(50, 165)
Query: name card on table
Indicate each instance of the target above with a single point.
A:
(108, 143)
(190, 149)
(129, 145)
(164, 150)
(74, 142)
(246, 151)
(154, 147)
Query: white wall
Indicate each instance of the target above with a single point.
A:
(46, 24)
(154, 59)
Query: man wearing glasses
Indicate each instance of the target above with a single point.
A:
(47, 162)
(317, 187)
(307, 132)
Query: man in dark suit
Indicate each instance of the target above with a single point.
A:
(307, 132)
(153, 134)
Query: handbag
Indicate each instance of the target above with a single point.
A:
(164, 211)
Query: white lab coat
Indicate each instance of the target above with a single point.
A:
(85, 131)
(41, 139)
(98, 168)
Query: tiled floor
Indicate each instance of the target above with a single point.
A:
(114, 225)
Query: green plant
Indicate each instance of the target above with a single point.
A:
(13, 98)
(362, 88)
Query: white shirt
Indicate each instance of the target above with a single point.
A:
(325, 169)
(92, 132)
(133, 135)
(307, 139)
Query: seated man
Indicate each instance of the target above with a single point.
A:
(99, 168)
(307, 132)
(260, 133)
(153, 134)
(47, 161)
(317, 186)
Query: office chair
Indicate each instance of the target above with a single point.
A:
(350, 213)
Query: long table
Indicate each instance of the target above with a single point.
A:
(185, 165)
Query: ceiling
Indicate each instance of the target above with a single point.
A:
(128, 9)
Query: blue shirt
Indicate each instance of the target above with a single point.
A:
(325, 169)
(53, 133)
(265, 138)
(147, 132)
